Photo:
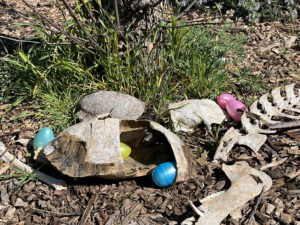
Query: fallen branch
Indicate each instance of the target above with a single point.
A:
(57, 184)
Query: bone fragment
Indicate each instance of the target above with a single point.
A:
(233, 137)
(285, 125)
(57, 184)
(186, 115)
(246, 183)
(276, 108)
(254, 128)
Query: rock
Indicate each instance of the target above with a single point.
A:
(121, 106)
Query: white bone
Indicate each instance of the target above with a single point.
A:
(244, 187)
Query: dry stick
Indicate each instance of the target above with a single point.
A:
(292, 124)
(117, 14)
(293, 135)
(196, 24)
(91, 39)
(58, 214)
(57, 184)
(58, 28)
(33, 42)
(88, 209)
(256, 205)
(89, 11)
(186, 9)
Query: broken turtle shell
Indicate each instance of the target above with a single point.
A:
(119, 105)
(92, 148)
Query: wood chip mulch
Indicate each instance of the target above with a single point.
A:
(272, 49)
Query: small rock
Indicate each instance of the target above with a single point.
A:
(269, 208)
(20, 203)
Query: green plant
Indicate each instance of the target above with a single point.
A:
(23, 178)
(85, 56)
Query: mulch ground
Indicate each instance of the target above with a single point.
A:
(272, 50)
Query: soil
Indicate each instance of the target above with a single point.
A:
(272, 50)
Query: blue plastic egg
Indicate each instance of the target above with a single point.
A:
(164, 174)
(43, 137)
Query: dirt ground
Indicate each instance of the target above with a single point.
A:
(272, 50)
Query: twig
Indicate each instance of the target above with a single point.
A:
(186, 9)
(88, 209)
(58, 214)
(250, 221)
(89, 11)
(195, 24)
(91, 39)
(292, 124)
(57, 184)
(33, 42)
(117, 14)
(297, 137)
(58, 28)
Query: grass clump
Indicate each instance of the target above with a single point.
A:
(87, 55)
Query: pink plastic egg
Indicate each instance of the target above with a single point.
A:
(232, 106)
(223, 98)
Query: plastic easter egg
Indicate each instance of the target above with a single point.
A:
(43, 137)
(164, 174)
(223, 99)
(232, 106)
(125, 150)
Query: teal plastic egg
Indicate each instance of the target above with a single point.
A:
(43, 137)
(164, 174)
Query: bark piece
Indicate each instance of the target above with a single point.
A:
(186, 115)
(246, 183)
(121, 106)
(233, 137)
(92, 148)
